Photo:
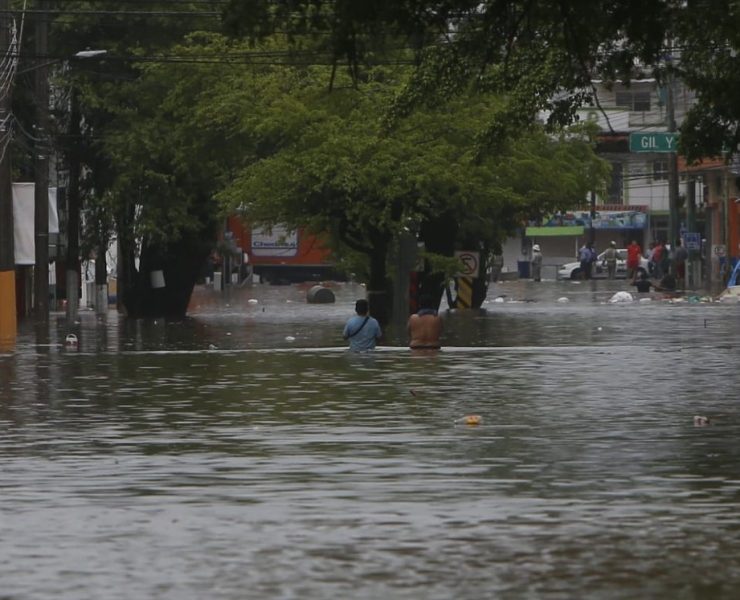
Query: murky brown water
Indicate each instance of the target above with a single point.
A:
(215, 458)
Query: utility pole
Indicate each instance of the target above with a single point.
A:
(592, 231)
(691, 271)
(41, 170)
(672, 162)
(72, 260)
(8, 316)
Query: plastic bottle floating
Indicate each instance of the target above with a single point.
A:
(70, 340)
(471, 420)
(700, 421)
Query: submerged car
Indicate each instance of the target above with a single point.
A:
(572, 270)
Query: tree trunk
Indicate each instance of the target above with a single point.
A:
(438, 235)
(162, 286)
(101, 280)
(378, 288)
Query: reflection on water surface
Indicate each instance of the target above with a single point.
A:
(213, 458)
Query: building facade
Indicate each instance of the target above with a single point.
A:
(635, 124)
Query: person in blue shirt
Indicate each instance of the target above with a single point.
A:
(362, 330)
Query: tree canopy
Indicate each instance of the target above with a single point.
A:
(540, 55)
(364, 119)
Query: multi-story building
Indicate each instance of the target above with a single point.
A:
(635, 121)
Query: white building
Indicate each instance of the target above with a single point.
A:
(636, 204)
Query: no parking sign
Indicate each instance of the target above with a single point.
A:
(469, 261)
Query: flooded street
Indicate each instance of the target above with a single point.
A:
(243, 453)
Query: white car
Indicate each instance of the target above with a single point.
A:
(572, 270)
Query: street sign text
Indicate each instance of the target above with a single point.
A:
(653, 141)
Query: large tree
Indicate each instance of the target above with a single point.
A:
(160, 209)
(340, 170)
(147, 129)
(706, 55)
(542, 55)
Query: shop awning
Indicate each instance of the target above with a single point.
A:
(554, 231)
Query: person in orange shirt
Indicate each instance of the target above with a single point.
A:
(634, 252)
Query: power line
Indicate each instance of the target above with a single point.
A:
(137, 13)
(149, 2)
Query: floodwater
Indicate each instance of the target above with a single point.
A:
(243, 453)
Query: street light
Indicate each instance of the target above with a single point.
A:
(72, 262)
(42, 151)
(41, 175)
(90, 53)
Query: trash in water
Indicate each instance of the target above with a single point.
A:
(471, 419)
(621, 297)
(700, 421)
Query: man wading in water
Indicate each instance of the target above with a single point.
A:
(362, 330)
(425, 327)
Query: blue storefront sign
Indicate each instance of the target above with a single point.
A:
(603, 219)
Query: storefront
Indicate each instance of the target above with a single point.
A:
(610, 223)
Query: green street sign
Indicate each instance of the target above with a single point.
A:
(653, 141)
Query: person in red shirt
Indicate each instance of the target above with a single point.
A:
(634, 252)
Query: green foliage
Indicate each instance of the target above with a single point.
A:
(339, 169)
(537, 55)
(433, 108)
(709, 35)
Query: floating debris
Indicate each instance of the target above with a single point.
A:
(471, 420)
(700, 421)
(621, 297)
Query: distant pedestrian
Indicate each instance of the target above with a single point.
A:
(362, 330)
(680, 256)
(610, 258)
(634, 253)
(658, 260)
(651, 259)
(536, 262)
(585, 258)
(665, 258)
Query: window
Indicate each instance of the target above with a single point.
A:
(660, 170)
(634, 101)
